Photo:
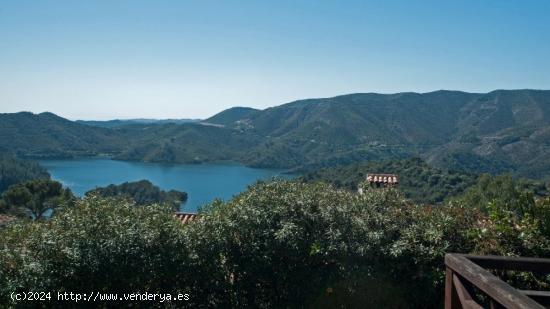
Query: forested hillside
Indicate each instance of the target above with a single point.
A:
(188, 143)
(501, 131)
(47, 135)
(418, 180)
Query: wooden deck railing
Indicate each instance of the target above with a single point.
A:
(466, 274)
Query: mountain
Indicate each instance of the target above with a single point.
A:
(122, 122)
(231, 115)
(355, 127)
(499, 131)
(46, 135)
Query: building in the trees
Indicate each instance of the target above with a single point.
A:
(382, 180)
(5, 219)
(379, 181)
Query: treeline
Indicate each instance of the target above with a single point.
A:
(35, 198)
(418, 180)
(280, 244)
(142, 192)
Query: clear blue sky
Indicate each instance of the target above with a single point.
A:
(191, 59)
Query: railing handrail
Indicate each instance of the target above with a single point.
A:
(498, 290)
(511, 263)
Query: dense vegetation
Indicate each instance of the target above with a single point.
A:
(101, 245)
(503, 191)
(496, 132)
(281, 244)
(32, 199)
(142, 192)
(14, 170)
(418, 180)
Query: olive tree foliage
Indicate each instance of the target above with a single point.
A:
(517, 219)
(286, 243)
(502, 190)
(289, 244)
(292, 244)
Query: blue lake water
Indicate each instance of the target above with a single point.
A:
(203, 183)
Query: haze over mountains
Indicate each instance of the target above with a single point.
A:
(122, 122)
(499, 131)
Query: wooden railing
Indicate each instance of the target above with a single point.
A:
(467, 277)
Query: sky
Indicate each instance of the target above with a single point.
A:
(191, 59)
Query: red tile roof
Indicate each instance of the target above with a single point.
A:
(185, 217)
(5, 219)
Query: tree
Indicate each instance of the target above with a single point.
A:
(501, 191)
(35, 197)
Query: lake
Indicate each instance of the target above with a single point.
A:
(202, 182)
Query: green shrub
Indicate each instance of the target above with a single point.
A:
(100, 245)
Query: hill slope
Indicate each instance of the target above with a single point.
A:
(357, 126)
(186, 143)
(501, 131)
(48, 135)
(231, 115)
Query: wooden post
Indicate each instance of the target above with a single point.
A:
(451, 299)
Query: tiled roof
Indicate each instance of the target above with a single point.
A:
(4, 219)
(382, 178)
(185, 217)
